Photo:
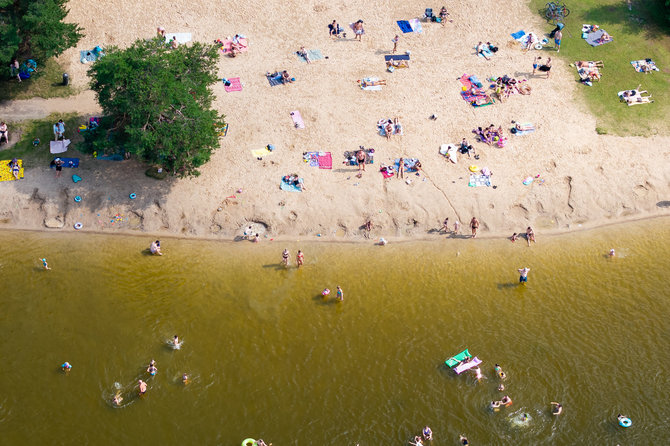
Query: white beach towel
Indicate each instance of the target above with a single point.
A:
(59, 146)
(182, 38)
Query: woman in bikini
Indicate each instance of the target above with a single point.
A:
(401, 168)
(300, 258)
(285, 257)
(361, 158)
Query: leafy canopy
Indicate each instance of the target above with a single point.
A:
(157, 103)
(35, 29)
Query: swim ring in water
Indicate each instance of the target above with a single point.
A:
(249, 442)
(625, 422)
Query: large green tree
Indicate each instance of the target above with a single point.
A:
(35, 29)
(157, 102)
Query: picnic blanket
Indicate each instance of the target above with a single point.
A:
(396, 57)
(6, 172)
(275, 79)
(369, 80)
(593, 38)
(313, 55)
(638, 64)
(260, 153)
(397, 128)
(479, 180)
(409, 26)
(90, 55)
(59, 146)
(226, 45)
(409, 164)
(182, 38)
(290, 187)
(474, 94)
(235, 84)
(67, 162)
(297, 119)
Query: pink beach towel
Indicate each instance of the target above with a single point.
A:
(297, 120)
(325, 161)
(386, 173)
(235, 85)
(226, 45)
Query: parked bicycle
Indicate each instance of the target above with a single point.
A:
(556, 12)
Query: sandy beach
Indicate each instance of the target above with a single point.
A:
(581, 179)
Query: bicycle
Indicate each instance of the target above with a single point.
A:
(556, 12)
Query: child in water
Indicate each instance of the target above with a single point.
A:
(45, 264)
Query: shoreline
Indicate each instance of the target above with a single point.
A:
(346, 240)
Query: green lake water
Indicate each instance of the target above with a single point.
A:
(269, 358)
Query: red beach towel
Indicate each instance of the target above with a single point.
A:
(235, 85)
(326, 161)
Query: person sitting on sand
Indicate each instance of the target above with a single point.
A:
(334, 30)
(443, 15)
(556, 408)
(612, 252)
(155, 248)
(256, 239)
(530, 235)
(388, 129)
(173, 43)
(514, 237)
(285, 77)
(302, 52)
(160, 31)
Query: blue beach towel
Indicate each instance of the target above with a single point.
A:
(289, 187)
(274, 80)
(67, 162)
(404, 26)
(519, 34)
(396, 57)
(475, 81)
(313, 55)
(90, 55)
(408, 164)
(115, 157)
(486, 52)
(592, 38)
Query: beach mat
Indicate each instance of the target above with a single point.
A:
(86, 56)
(235, 85)
(297, 119)
(408, 165)
(404, 26)
(67, 162)
(260, 153)
(6, 172)
(113, 157)
(226, 45)
(370, 87)
(637, 64)
(479, 180)
(416, 25)
(396, 57)
(592, 38)
(288, 187)
(59, 146)
(274, 80)
(315, 54)
(325, 160)
(518, 35)
(182, 38)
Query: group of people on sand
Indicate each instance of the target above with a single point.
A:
(530, 236)
(491, 135)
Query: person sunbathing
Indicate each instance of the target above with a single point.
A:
(589, 64)
(365, 83)
(388, 129)
(443, 15)
(397, 63)
(604, 38)
(285, 77)
(302, 52)
(397, 126)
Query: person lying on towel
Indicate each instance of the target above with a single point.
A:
(397, 63)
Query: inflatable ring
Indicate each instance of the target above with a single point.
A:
(248, 442)
(77, 198)
(538, 46)
(473, 168)
(78, 225)
(625, 422)
(132, 196)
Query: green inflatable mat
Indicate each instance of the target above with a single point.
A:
(457, 359)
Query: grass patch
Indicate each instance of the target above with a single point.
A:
(47, 83)
(638, 34)
(43, 129)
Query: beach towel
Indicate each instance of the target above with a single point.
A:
(289, 187)
(67, 162)
(404, 26)
(6, 172)
(112, 157)
(479, 180)
(297, 120)
(90, 55)
(638, 64)
(416, 25)
(182, 38)
(235, 84)
(325, 160)
(312, 158)
(59, 146)
(475, 81)
(223, 131)
(592, 38)
(274, 79)
(396, 57)
(387, 173)
(523, 132)
(369, 80)
(409, 164)
(518, 35)
(226, 45)
(485, 52)
(313, 55)
(450, 151)
(260, 153)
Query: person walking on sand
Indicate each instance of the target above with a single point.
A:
(474, 225)
(535, 63)
(360, 159)
(457, 226)
(445, 225)
(340, 294)
(523, 274)
(530, 235)
(358, 30)
(285, 257)
(395, 43)
(299, 258)
(557, 40)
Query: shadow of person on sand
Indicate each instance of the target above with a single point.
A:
(508, 286)
(276, 266)
(458, 236)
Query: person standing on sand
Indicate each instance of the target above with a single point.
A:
(445, 225)
(401, 168)
(457, 226)
(358, 30)
(59, 167)
(334, 30)
(474, 225)
(395, 43)
(361, 158)
(535, 62)
(530, 235)
(285, 257)
(299, 258)
(557, 40)
(523, 274)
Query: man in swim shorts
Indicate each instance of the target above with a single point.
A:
(474, 225)
(535, 64)
(557, 40)
(523, 274)
(45, 264)
(142, 387)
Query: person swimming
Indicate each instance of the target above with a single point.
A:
(117, 398)
(175, 341)
(524, 417)
(45, 264)
(501, 387)
(417, 441)
(478, 374)
(495, 405)
(612, 252)
(152, 369)
(427, 433)
(556, 408)
(499, 372)
(463, 439)
(506, 401)
(66, 366)
(142, 387)
(184, 379)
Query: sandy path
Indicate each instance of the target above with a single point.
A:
(37, 108)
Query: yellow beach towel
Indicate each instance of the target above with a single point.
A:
(6, 172)
(260, 153)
